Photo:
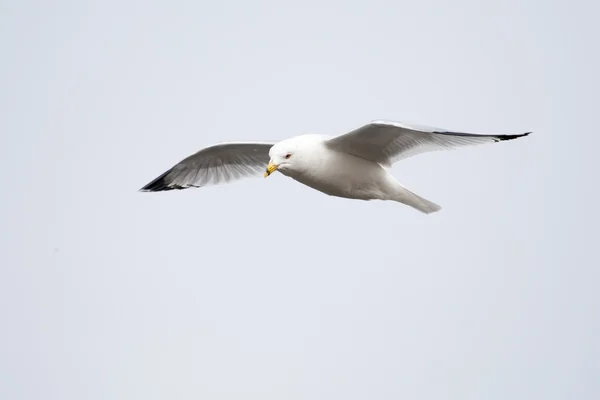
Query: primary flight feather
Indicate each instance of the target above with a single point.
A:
(350, 165)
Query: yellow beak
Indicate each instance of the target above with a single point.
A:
(270, 169)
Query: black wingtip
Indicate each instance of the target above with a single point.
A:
(501, 138)
(158, 185)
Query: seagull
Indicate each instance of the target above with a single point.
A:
(353, 165)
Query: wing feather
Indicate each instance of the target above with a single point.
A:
(387, 142)
(221, 163)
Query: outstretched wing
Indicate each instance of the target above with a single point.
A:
(213, 165)
(387, 142)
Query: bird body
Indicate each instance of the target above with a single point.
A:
(341, 174)
(350, 166)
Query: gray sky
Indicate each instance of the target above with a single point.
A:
(266, 289)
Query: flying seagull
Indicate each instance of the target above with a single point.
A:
(353, 165)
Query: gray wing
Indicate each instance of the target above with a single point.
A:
(387, 142)
(213, 165)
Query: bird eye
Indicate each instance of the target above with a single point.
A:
(288, 155)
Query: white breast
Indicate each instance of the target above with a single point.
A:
(341, 174)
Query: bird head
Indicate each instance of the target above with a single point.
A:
(292, 155)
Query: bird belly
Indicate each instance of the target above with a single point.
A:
(346, 176)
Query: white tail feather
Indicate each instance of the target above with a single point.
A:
(409, 198)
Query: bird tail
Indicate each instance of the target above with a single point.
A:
(405, 196)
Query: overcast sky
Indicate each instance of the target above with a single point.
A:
(264, 288)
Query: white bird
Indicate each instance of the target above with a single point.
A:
(352, 165)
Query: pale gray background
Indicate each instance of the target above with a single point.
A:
(265, 289)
